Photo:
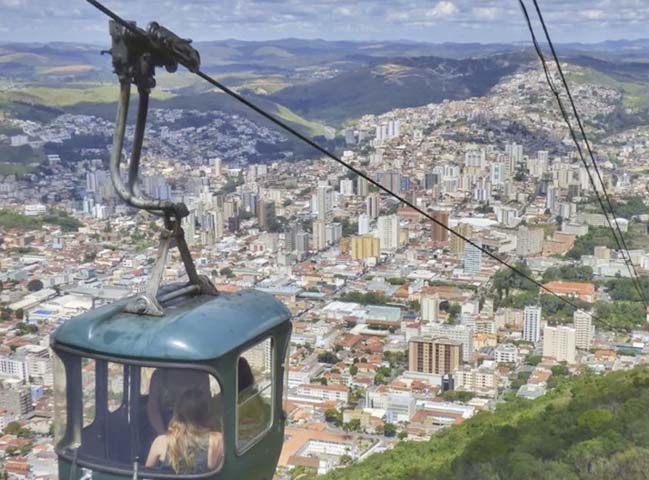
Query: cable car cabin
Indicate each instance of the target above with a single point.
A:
(196, 393)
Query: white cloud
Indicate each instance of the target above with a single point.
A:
(593, 14)
(443, 9)
(12, 3)
(486, 13)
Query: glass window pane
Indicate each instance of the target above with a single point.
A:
(88, 385)
(115, 386)
(169, 420)
(255, 397)
(60, 400)
(145, 374)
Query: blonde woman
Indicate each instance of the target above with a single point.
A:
(188, 446)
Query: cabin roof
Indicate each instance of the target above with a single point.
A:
(195, 329)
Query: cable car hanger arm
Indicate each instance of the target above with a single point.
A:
(136, 53)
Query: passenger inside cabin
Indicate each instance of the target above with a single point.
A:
(188, 446)
(166, 387)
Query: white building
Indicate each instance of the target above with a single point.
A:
(363, 224)
(388, 233)
(532, 324)
(324, 393)
(584, 329)
(506, 353)
(430, 308)
(559, 343)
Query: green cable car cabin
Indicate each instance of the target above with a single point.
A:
(120, 379)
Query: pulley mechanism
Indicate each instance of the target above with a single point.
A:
(136, 54)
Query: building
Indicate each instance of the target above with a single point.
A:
(323, 393)
(364, 247)
(430, 308)
(506, 353)
(532, 324)
(389, 232)
(559, 343)
(473, 258)
(582, 290)
(323, 202)
(16, 400)
(458, 333)
(529, 241)
(319, 235)
(14, 368)
(363, 224)
(434, 356)
(265, 214)
(584, 329)
(372, 205)
(480, 380)
(440, 234)
(456, 243)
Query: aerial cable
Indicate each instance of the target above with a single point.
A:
(622, 247)
(588, 147)
(284, 126)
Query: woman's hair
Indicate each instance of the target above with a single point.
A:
(187, 428)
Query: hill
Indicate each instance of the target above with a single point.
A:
(397, 83)
(589, 427)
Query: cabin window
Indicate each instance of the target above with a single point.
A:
(164, 421)
(88, 387)
(255, 388)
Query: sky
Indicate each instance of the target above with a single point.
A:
(434, 21)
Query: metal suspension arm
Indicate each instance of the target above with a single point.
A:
(131, 194)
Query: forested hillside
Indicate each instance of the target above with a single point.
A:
(590, 427)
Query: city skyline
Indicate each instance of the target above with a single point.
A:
(367, 20)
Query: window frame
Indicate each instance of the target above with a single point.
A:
(68, 453)
(257, 438)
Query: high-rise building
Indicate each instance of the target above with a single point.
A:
(434, 356)
(364, 247)
(319, 235)
(301, 243)
(372, 205)
(497, 173)
(456, 243)
(389, 233)
(333, 233)
(473, 258)
(363, 224)
(347, 187)
(430, 308)
(189, 226)
(440, 234)
(430, 180)
(362, 187)
(559, 343)
(532, 324)
(323, 202)
(459, 333)
(265, 214)
(584, 329)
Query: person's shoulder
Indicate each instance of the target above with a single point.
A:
(160, 441)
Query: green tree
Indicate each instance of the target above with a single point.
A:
(328, 357)
(35, 285)
(389, 430)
